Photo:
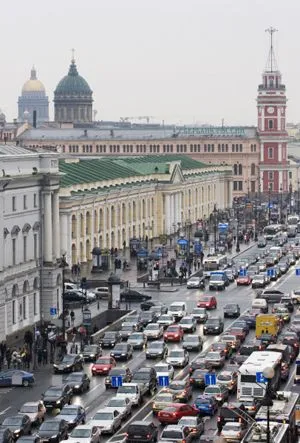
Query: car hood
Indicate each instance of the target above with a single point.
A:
(63, 365)
(170, 359)
(102, 423)
(68, 417)
(77, 440)
(52, 397)
(46, 433)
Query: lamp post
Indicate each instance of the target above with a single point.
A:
(188, 226)
(281, 217)
(215, 211)
(290, 192)
(269, 206)
(268, 374)
(63, 266)
(298, 197)
(237, 249)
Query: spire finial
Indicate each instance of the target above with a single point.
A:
(33, 73)
(271, 62)
(73, 55)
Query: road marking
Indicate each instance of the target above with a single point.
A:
(5, 410)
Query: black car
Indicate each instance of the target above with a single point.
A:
(197, 378)
(110, 339)
(214, 325)
(199, 363)
(157, 349)
(79, 382)
(54, 430)
(70, 363)
(135, 296)
(29, 439)
(91, 352)
(76, 297)
(246, 350)
(57, 396)
(231, 310)
(6, 436)
(126, 330)
(122, 351)
(141, 432)
(146, 376)
(146, 305)
(18, 425)
(147, 317)
(123, 372)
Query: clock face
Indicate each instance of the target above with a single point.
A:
(270, 110)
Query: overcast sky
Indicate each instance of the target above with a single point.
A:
(181, 61)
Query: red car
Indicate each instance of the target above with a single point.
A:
(238, 332)
(173, 333)
(208, 302)
(244, 280)
(173, 413)
(103, 365)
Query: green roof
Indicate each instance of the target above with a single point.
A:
(186, 161)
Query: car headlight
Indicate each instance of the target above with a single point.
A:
(68, 366)
(92, 355)
(17, 431)
(55, 366)
(58, 402)
(123, 355)
(105, 369)
(77, 387)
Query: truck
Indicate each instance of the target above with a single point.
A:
(132, 391)
(267, 324)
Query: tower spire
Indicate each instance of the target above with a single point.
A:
(271, 61)
(73, 55)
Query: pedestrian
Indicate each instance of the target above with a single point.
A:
(72, 317)
(198, 263)
(40, 356)
(195, 265)
(201, 257)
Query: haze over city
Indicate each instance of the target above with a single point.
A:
(181, 62)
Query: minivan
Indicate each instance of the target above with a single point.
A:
(101, 292)
(260, 303)
(177, 310)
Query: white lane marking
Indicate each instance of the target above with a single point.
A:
(5, 410)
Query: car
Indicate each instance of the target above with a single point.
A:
(6, 436)
(208, 302)
(238, 332)
(173, 333)
(166, 320)
(231, 310)
(35, 438)
(157, 349)
(195, 282)
(73, 415)
(199, 314)
(188, 323)
(214, 325)
(12, 377)
(232, 412)
(182, 390)
(18, 425)
(290, 338)
(230, 274)
(57, 396)
(233, 431)
(178, 358)
(222, 347)
(218, 280)
(79, 382)
(91, 352)
(122, 405)
(261, 264)
(197, 378)
(228, 379)
(101, 292)
(206, 405)
(164, 370)
(147, 317)
(123, 372)
(283, 265)
(176, 433)
(84, 434)
(192, 342)
(241, 324)
(35, 410)
(141, 432)
(163, 400)
(243, 280)
(146, 378)
(137, 340)
(172, 414)
(246, 350)
(103, 365)
(195, 425)
(122, 351)
(282, 312)
(291, 259)
(70, 363)
(288, 302)
(126, 330)
(110, 339)
(159, 309)
(134, 296)
(146, 305)
(272, 295)
(199, 363)
(153, 331)
(54, 430)
(216, 359)
(219, 392)
(259, 281)
(135, 321)
(107, 420)
(75, 297)
(232, 340)
(250, 318)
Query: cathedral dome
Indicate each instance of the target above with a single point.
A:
(33, 84)
(73, 84)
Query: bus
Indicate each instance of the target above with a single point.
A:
(293, 219)
(214, 263)
(248, 387)
(272, 231)
(279, 433)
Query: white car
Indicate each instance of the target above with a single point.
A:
(166, 320)
(87, 433)
(35, 410)
(178, 358)
(122, 405)
(233, 431)
(163, 370)
(107, 420)
(153, 331)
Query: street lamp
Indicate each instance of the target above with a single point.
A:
(269, 206)
(281, 217)
(268, 374)
(298, 197)
(238, 249)
(188, 225)
(63, 265)
(215, 212)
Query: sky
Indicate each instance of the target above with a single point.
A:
(177, 61)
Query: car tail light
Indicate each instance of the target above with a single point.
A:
(148, 436)
(191, 379)
(126, 434)
(183, 441)
(218, 419)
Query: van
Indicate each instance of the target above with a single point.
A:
(178, 310)
(260, 303)
(267, 324)
(101, 292)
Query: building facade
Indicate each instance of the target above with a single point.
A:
(29, 218)
(33, 98)
(105, 202)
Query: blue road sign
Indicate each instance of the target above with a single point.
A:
(270, 272)
(210, 379)
(297, 271)
(243, 272)
(53, 311)
(163, 380)
(260, 378)
(116, 381)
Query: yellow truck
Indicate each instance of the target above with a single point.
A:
(267, 324)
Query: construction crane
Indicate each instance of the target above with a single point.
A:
(139, 117)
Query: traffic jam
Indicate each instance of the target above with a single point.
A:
(205, 373)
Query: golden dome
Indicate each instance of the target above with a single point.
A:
(33, 85)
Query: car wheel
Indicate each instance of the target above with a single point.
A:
(25, 383)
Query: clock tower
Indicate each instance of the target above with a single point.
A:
(271, 111)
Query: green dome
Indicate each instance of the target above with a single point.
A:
(73, 84)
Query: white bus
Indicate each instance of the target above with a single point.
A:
(214, 263)
(293, 225)
(255, 364)
(272, 231)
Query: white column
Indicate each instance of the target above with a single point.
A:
(84, 237)
(55, 225)
(65, 246)
(48, 228)
(78, 236)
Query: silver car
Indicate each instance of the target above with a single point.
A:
(199, 314)
(178, 358)
(153, 331)
(87, 433)
(137, 340)
(122, 405)
(233, 431)
(107, 420)
(166, 320)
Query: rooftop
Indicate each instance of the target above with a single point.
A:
(14, 150)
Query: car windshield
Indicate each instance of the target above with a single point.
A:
(80, 433)
(122, 348)
(127, 389)
(75, 377)
(152, 327)
(212, 390)
(194, 279)
(69, 411)
(213, 356)
(231, 427)
(176, 308)
(49, 426)
(29, 409)
(12, 421)
(191, 339)
(104, 416)
(198, 311)
(172, 434)
(176, 386)
(117, 403)
(141, 376)
(188, 421)
(136, 337)
(90, 348)
(206, 299)
(259, 278)
(103, 361)
(162, 368)
(217, 277)
(212, 321)
(228, 338)
(203, 401)
(173, 329)
(224, 377)
(157, 345)
(176, 354)
(117, 371)
(109, 335)
(53, 391)
(146, 315)
(166, 398)
(165, 317)
(127, 328)
(68, 358)
(230, 306)
(186, 320)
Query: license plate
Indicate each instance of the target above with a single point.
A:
(189, 347)
(137, 436)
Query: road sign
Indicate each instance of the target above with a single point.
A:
(163, 380)
(260, 378)
(53, 311)
(297, 271)
(243, 272)
(270, 272)
(116, 381)
(210, 379)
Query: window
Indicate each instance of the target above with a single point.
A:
(14, 207)
(34, 200)
(270, 124)
(252, 168)
(34, 304)
(35, 246)
(235, 185)
(235, 169)
(290, 175)
(271, 176)
(14, 244)
(13, 308)
(271, 187)
(240, 186)
(240, 169)
(24, 248)
(241, 148)
(24, 308)
(270, 153)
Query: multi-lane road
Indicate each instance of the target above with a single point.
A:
(12, 398)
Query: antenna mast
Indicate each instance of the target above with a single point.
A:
(271, 58)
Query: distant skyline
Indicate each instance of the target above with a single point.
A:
(191, 62)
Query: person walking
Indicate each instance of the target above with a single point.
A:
(72, 317)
